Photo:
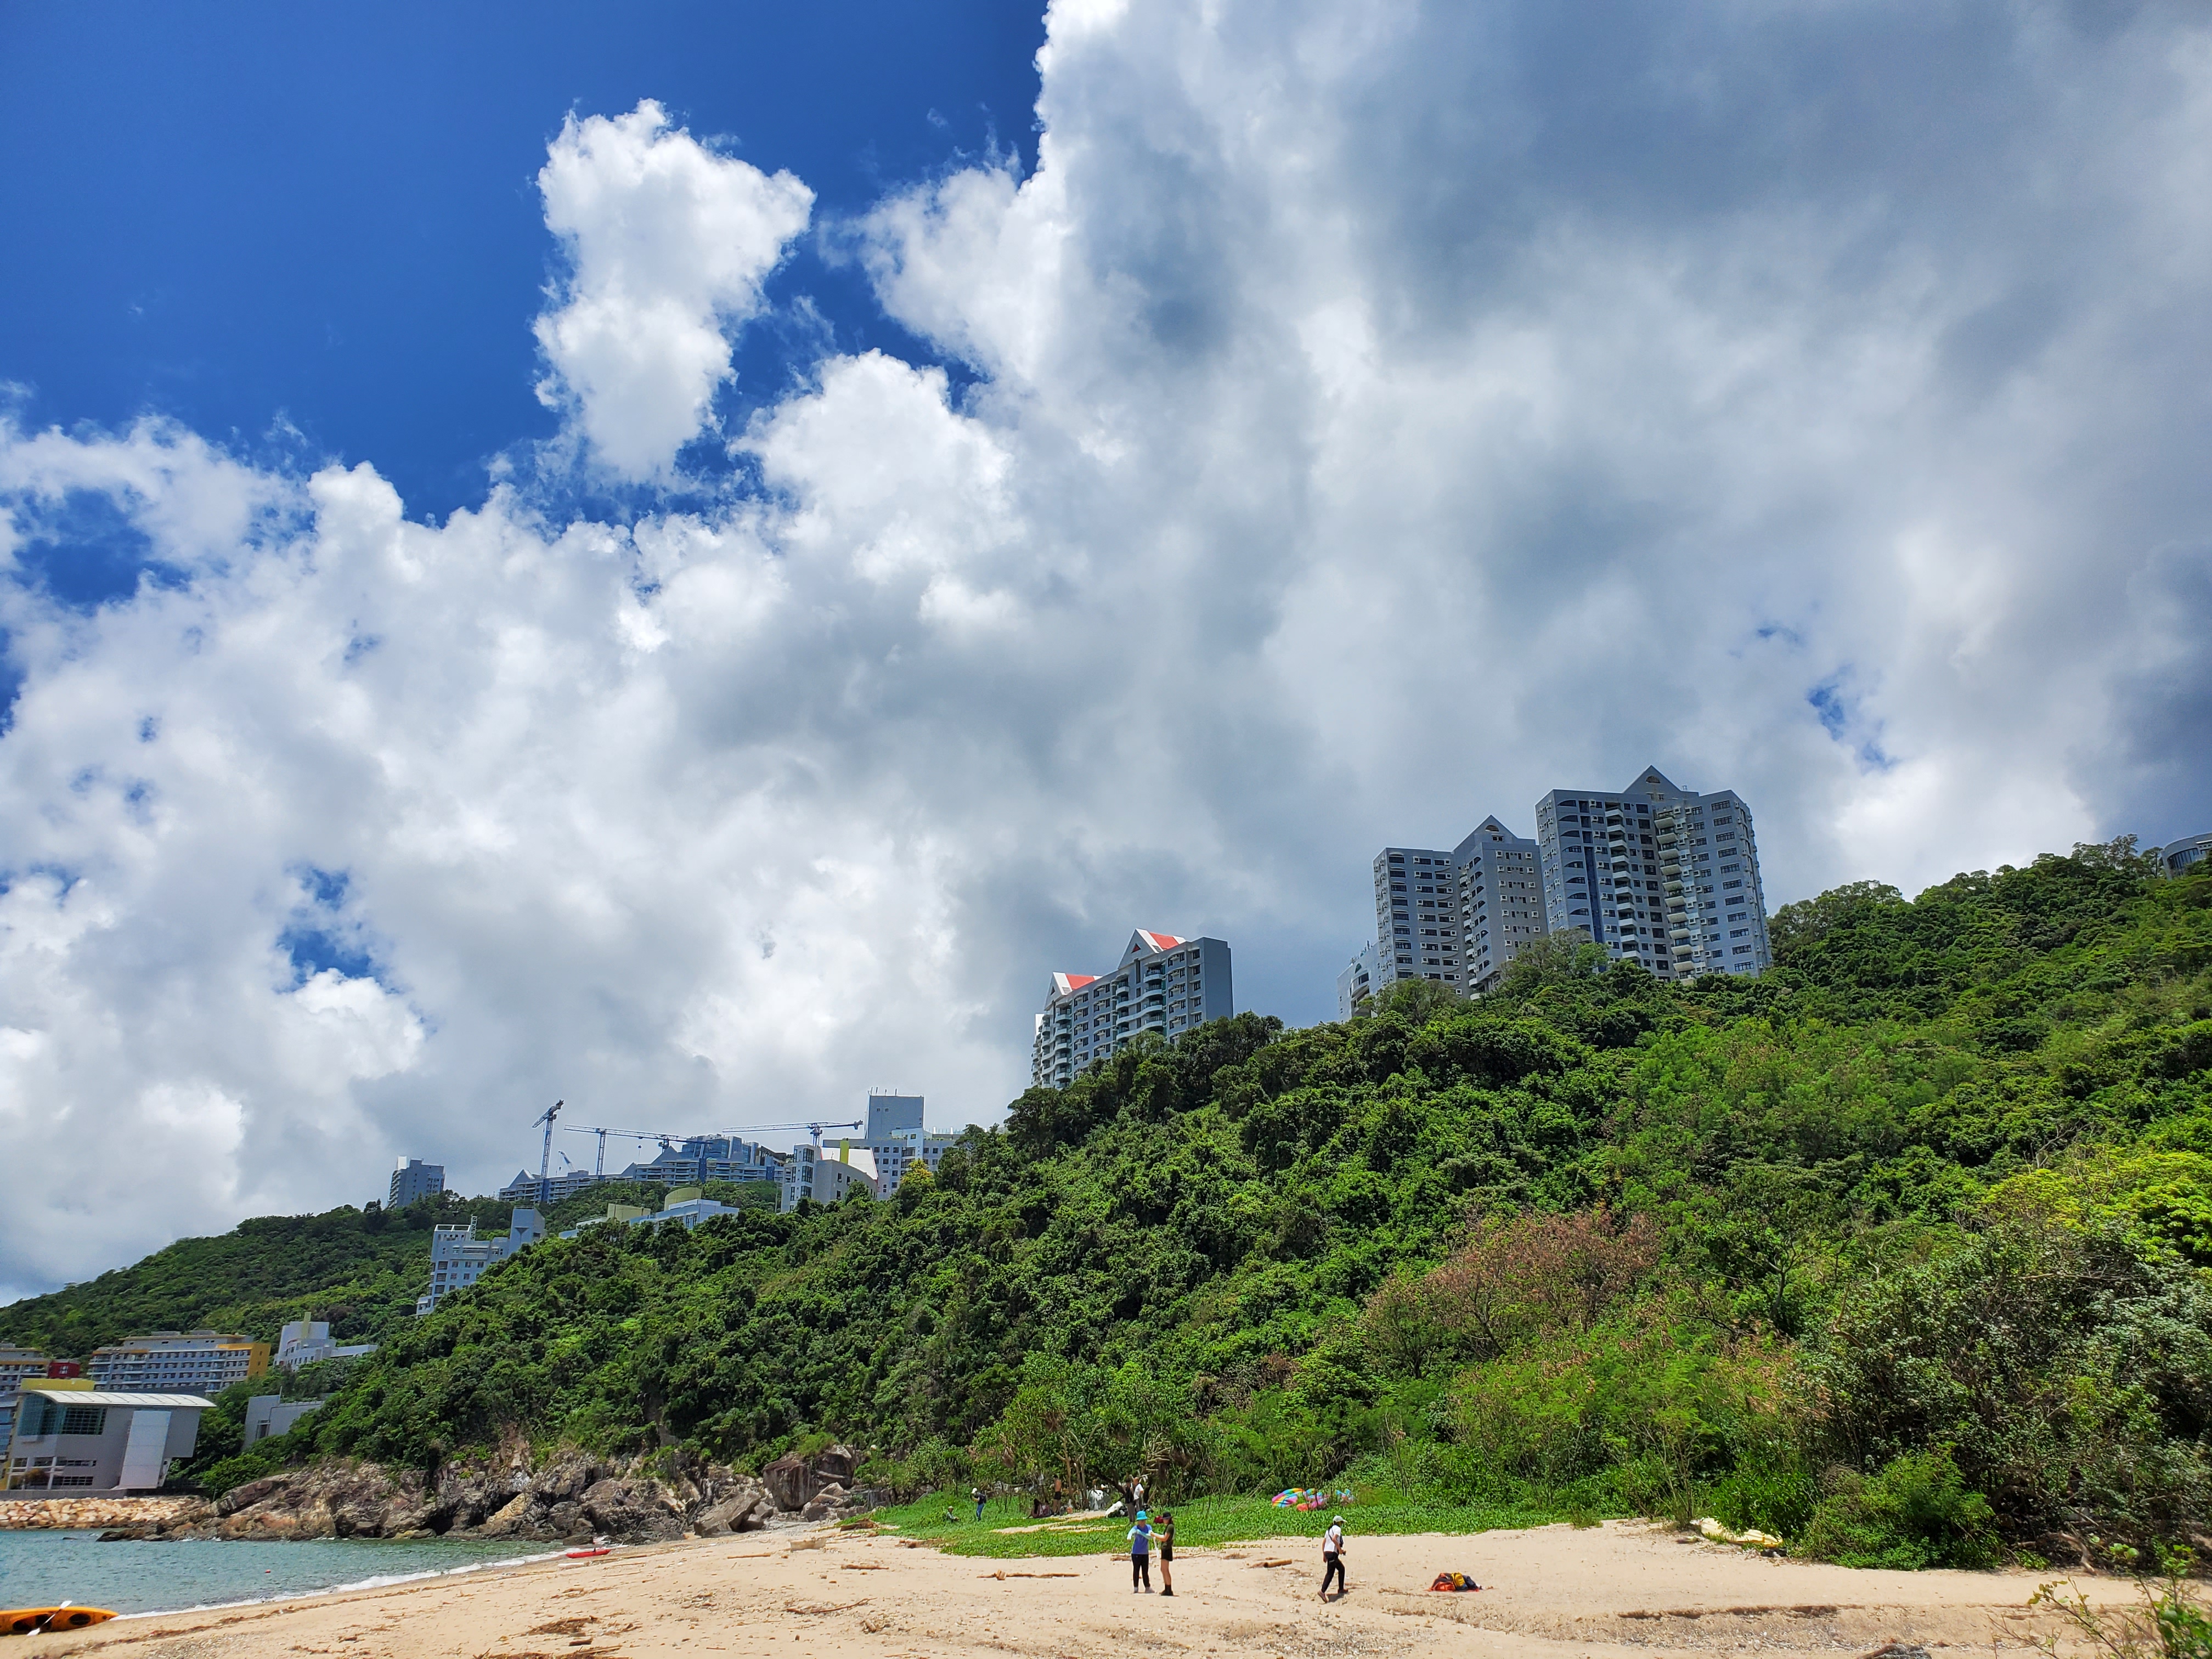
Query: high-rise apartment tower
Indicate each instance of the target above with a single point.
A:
(1657, 874)
(1162, 984)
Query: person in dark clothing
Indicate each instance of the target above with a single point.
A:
(1164, 1532)
(1140, 1556)
(976, 1493)
(1332, 1559)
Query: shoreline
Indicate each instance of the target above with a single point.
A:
(1615, 1592)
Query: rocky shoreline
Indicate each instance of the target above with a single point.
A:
(574, 1498)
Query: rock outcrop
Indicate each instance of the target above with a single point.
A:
(574, 1498)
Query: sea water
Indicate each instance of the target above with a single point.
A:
(43, 1569)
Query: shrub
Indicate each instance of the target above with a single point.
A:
(1917, 1512)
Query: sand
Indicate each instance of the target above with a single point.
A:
(1622, 1589)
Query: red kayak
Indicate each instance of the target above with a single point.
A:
(583, 1555)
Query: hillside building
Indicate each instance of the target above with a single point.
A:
(1497, 879)
(1657, 874)
(304, 1341)
(413, 1179)
(1356, 983)
(2186, 856)
(1162, 984)
(178, 1362)
(1456, 917)
(897, 1142)
(459, 1258)
(268, 1415)
(825, 1176)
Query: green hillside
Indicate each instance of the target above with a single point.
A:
(1899, 1251)
(360, 1269)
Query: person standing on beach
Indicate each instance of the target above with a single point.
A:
(1165, 1533)
(1332, 1559)
(1140, 1556)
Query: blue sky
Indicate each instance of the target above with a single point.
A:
(685, 559)
(328, 216)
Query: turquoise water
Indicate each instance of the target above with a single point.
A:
(40, 1569)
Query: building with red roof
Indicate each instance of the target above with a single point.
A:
(1164, 984)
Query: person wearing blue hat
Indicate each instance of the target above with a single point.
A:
(1140, 1555)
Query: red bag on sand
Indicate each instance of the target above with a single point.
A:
(1454, 1580)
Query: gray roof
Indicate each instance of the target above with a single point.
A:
(104, 1397)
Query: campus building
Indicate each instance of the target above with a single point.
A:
(413, 1179)
(689, 1163)
(304, 1341)
(459, 1258)
(898, 1140)
(2186, 856)
(67, 1437)
(1356, 983)
(825, 1176)
(178, 1362)
(1657, 874)
(1162, 984)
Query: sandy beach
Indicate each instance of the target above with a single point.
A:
(1622, 1589)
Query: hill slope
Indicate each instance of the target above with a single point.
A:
(1914, 1226)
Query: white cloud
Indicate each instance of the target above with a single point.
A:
(1367, 425)
(668, 244)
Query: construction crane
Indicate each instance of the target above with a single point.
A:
(813, 1129)
(545, 1157)
(666, 1138)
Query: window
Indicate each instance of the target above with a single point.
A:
(84, 1420)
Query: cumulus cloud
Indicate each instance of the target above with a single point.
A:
(1363, 422)
(668, 244)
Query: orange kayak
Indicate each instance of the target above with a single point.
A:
(34, 1621)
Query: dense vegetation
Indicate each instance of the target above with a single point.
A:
(360, 1269)
(1899, 1250)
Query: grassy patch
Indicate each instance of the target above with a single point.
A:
(1201, 1523)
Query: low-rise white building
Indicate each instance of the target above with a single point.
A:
(268, 1415)
(304, 1341)
(826, 1177)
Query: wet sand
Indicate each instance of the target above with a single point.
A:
(1625, 1589)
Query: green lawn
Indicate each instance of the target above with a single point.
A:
(946, 1520)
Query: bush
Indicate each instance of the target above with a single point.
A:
(1915, 1513)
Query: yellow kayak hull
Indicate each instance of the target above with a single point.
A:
(36, 1621)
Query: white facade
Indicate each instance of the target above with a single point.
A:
(179, 1362)
(268, 1415)
(304, 1341)
(825, 1176)
(1657, 874)
(1357, 982)
(1162, 984)
(459, 1258)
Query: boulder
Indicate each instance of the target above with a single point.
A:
(567, 1519)
(631, 1512)
(789, 1482)
(836, 1464)
(511, 1518)
(245, 1497)
(745, 1509)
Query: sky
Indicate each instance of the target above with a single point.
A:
(685, 562)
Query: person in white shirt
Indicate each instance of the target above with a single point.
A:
(1332, 1558)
